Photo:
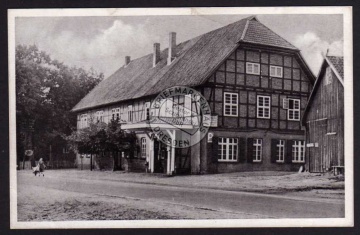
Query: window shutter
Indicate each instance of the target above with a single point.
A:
(285, 103)
(250, 142)
(288, 154)
(274, 142)
(215, 147)
(241, 150)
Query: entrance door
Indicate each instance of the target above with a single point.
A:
(118, 165)
(157, 157)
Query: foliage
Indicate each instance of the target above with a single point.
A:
(46, 91)
(101, 137)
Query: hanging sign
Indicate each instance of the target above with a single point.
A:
(210, 137)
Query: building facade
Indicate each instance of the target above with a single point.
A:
(256, 83)
(324, 118)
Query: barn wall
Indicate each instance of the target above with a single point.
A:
(325, 125)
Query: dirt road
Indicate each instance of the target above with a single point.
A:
(72, 198)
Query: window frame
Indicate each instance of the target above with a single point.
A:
(257, 148)
(293, 110)
(115, 113)
(224, 148)
(258, 107)
(143, 147)
(252, 65)
(100, 116)
(280, 151)
(230, 104)
(298, 151)
(275, 68)
(84, 120)
(147, 110)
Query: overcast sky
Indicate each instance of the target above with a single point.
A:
(103, 42)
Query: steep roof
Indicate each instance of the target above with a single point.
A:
(336, 63)
(195, 60)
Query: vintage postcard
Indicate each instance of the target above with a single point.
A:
(181, 118)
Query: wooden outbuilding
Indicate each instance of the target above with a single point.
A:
(324, 118)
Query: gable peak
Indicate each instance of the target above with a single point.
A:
(253, 18)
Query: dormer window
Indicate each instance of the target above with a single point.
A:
(276, 71)
(252, 68)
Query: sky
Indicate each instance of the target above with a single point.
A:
(102, 43)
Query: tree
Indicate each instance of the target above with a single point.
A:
(100, 138)
(46, 91)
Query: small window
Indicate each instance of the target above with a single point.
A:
(143, 147)
(276, 71)
(115, 114)
(263, 107)
(65, 150)
(280, 151)
(228, 148)
(294, 109)
(252, 68)
(231, 104)
(257, 150)
(298, 151)
(84, 121)
(100, 116)
(147, 111)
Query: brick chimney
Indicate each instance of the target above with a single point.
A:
(127, 60)
(156, 55)
(172, 45)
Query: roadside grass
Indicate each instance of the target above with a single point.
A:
(85, 210)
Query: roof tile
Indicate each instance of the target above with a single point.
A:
(195, 60)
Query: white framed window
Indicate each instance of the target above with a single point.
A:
(231, 104)
(115, 114)
(263, 106)
(276, 71)
(257, 150)
(252, 68)
(298, 151)
(280, 151)
(294, 109)
(84, 120)
(143, 147)
(130, 113)
(100, 116)
(147, 111)
(228, 149)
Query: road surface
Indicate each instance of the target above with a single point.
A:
(242, 203)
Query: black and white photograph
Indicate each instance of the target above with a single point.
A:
(177, 118)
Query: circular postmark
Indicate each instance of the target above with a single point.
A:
(180, 117)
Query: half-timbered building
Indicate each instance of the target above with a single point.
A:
(324, 118)
(256, 83)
